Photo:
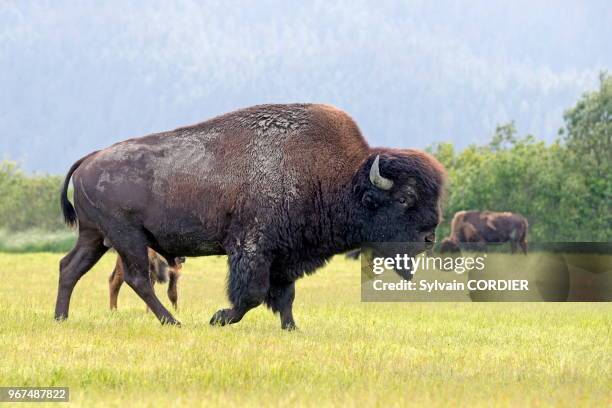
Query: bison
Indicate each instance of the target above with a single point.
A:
(279, 189)
(159, 271)
(482, 227)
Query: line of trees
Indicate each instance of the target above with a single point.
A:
(563, 188)
(28, 201)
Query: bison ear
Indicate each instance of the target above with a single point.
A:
(369, 200)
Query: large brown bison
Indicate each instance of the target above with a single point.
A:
(159, 271)
(278, 188)
(483, 227)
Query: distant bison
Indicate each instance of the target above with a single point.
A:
(482, 227)
(278, 188)
(159, 271)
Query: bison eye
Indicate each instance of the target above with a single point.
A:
(406, 201)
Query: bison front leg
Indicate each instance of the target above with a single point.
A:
(249, 281)
(280, 299)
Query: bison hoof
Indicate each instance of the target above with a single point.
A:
(222, 317)
(170, 322)
(289, 326)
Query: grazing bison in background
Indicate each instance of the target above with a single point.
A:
(159, 271)
(483, 227)
(278, 188)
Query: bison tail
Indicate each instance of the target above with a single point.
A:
(70, 216)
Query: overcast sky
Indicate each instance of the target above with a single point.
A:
(76, 76)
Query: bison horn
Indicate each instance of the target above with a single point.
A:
(378, 180)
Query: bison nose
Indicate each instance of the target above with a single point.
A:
(430, 238)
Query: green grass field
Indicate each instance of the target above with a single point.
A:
(345, 353)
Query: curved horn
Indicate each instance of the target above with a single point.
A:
(378, 180)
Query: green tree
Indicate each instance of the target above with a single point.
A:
(518, 174)
(588, 136)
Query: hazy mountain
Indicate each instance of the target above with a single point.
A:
(77, 76)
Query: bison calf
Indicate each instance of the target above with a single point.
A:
(159, 271)
(484, 227)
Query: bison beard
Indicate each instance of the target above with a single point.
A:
(278, 188)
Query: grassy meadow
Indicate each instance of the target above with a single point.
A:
(345, 353)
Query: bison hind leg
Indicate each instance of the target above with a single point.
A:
(132, 248)
(523, 245)
(88, 250)
(173, 278)
(115, 281)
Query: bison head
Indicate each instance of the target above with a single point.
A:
(399, 193)
(448, 245)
